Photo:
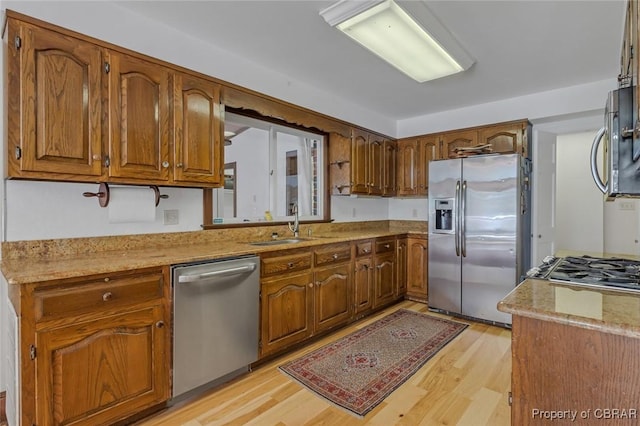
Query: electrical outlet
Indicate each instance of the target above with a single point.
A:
(627, 205)
(353, 212)
(415, 213)
(171, 217)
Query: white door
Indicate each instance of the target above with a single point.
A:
(543, 195)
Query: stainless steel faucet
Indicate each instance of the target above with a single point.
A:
(295, 227)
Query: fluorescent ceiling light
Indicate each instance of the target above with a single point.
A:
(390, 32)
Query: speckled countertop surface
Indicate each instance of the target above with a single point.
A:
(610, 311)
(36, 261)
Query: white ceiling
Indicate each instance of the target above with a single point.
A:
(519, 47)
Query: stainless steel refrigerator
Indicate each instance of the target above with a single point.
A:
(479, 233)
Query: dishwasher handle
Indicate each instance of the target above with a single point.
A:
(221, 273)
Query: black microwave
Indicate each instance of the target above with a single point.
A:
(621, 147)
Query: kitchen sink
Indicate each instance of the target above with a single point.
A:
(279, 242)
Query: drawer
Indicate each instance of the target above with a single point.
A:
(332, 253)
(96, 295)
(364, 248)
(385, 245)
(285, 261)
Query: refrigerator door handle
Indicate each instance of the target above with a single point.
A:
(463, 217)
(457, 218)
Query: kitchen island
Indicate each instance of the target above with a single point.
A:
(575, 354)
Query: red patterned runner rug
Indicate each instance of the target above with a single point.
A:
(360, 370)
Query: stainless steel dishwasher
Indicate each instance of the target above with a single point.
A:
(215, 321)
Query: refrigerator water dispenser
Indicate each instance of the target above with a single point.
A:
(444, 215)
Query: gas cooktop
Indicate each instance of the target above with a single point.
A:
(617, 273)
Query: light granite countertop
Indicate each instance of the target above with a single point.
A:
(605, 310)
(38, 265)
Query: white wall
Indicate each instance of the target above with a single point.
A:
(579, 203)
(409, 208)
(622, 226)
(537, 107)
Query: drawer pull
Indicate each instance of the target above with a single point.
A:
(107, 296)
(387, 246)
(366, 251)
(160, 324)
(290, 265)
(335, 255)
(310, 285)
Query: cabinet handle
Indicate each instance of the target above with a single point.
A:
(179, 165)
(366, 251)
(160, 324)
(96, 157)
(335, 255)
(165, 164)
(106, 280)
(387, 246)
(290, 265)
(107, 296)
(310, 285)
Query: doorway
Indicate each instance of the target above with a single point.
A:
(570, 213)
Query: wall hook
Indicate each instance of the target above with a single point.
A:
(102, 194)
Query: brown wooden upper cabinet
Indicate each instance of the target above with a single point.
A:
(363, 164)
(372, 169)
(414, 155)
(197, 130)
(79, 110)
(458, 139)
(139, 118)
(506, 138)
(389, 168)
(50, 73)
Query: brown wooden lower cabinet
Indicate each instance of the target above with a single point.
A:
(286, 311)
(401, 268)
(384, 271)
(332, 296)
(563, 370)
(417, 268)
(94, 350)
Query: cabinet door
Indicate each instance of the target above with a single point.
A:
(376, 165)
(139, 108)
(340, 164)
(401, 268)
(55, 108)
(360, 162)
(385, 279)
(417, 272)
(407, 176)
(504, 139)
(197, 131)
(363, 285)
(389, 168)
(286, 312)
(101, 371)
(453, 140)
(428, 151)
(332, 291)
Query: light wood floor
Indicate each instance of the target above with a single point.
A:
(465, 383)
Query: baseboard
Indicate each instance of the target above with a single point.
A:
(3, 407)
